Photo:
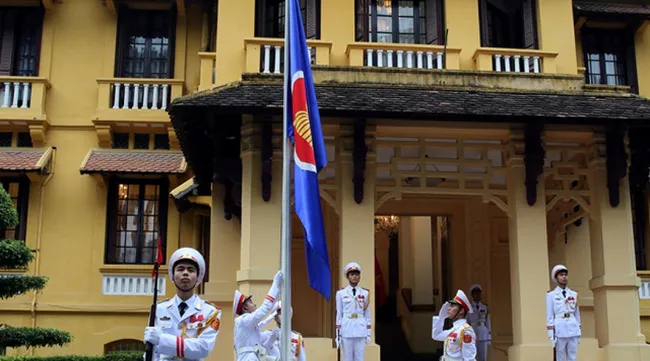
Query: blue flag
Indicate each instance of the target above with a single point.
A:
(310, 157)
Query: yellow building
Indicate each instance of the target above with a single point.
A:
(505, 136)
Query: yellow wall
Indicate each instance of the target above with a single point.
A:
(79, 48)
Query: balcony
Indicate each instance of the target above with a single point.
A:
(23, 97)
(515, 60)
(135, 99)
(388, 55)
(266, 55)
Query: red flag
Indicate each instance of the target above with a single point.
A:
(159, 259)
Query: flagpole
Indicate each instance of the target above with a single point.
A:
(285, 338)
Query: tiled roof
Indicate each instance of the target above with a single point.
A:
(24, 159)
(403, 102)
(611, 8)
(133, 161)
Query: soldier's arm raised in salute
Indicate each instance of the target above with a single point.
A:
(193, 348)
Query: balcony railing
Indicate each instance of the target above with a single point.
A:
(131, 285)
(128, 95)
(22, 96)
(515, 60)
(266, 55)
(388, 55)
(644, 290)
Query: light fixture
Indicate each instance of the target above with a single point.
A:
(388, 224)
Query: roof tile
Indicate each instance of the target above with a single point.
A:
(22, 159)
(118, 161)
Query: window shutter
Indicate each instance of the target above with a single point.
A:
(123, 21)
(630, 59)
(311, 19)
(362, 16)
(434, 22)
(484, 21)
(8, 42)
(530, 24)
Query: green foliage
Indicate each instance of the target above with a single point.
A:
(15, 254)
(113, 356)
(19, 284)
(32, 337)
(8, 213)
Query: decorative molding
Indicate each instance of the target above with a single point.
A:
(616, 162)
(104, 135)
(533, 160)
(267, 159)
(359, 152)
(37, 133)
(131, 285)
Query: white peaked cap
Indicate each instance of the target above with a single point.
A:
(189, 254)
(280, 308)
(462, 299)
(474, 286)
(556, 270)
(352, 266)
(238, 303)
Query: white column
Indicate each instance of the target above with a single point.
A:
(422, 260)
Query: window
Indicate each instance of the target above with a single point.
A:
(137, 216)
(18, 189)
(512, 26)
(270, 18)
(16, 139)
(400, 21)
(21, 40)
(605, 56)
(145, 44)
(124, 345)
(157, 141)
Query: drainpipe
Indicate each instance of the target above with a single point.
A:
(39, 231)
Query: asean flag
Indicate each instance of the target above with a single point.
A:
(310, 157)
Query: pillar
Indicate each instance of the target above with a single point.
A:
(529, 269)
(422, 261)
(615, 283)
(231, 56)
(554, 21)
(261, 220)
(406, 276)
(357, 226)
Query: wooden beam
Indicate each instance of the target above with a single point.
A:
(110, 5)
(642, 28)
(48, 4)
(580, 22)
(180, 8)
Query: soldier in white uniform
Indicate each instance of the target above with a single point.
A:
(186, 327)
(563, 316)
(353, 323)
(480, 322)
(451, 327)
(272, 339)
(248, 336)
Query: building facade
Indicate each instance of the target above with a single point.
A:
(505, 137)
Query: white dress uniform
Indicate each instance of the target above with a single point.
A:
(563, 319)
(460, 339)
(248, 342)
(353, 322)
(480, 322)
(193, 335)
(272, 345)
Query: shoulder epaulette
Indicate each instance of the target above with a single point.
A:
(213, 305)
(163, 301)
(365, 289)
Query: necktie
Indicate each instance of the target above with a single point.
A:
(564, 293)
(181, 308)
(354, 291)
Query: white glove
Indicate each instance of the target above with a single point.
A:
(151, 335)
(550, 334)
(276, 332)
(278, 278)
(367, 340)
(337, 339)
(489, 343)
(553, 342)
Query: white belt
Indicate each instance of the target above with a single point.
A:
(246, 349)
(564, 315)
(352, 315)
